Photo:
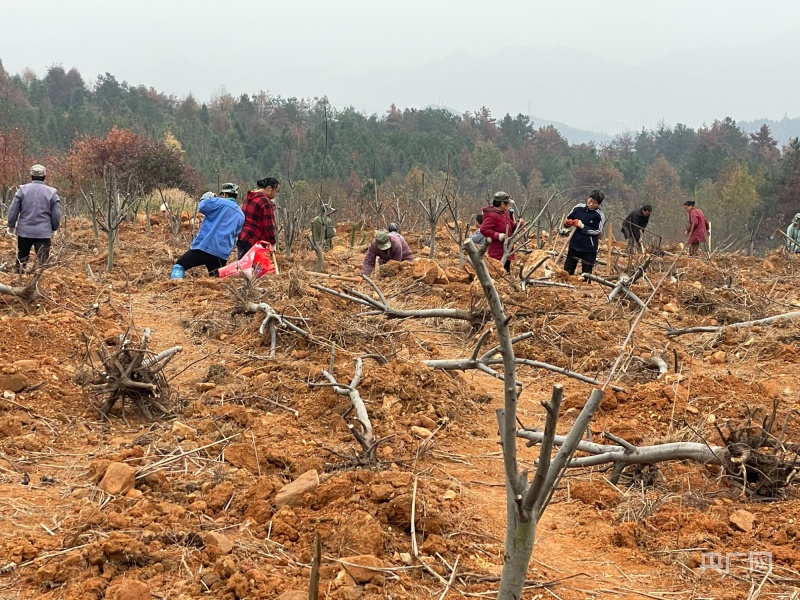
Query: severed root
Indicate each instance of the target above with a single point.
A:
(271, 320)
(135, 373)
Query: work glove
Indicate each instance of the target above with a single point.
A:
(12, 231)
(578, 223)
(569, 222)
(501, 237)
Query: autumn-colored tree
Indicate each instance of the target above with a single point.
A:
(552, 156)
(764, 147)
(63, 86)
(727, 136)
(595, 173)
(662, 190)
(14, 158)
(730, 203)
(140, 164)
(789, 188)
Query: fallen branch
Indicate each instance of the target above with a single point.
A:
(618, 287)
(483, 362)
(463, 364)
(476, 319)
(336, 277)
(742, 325)
(754, 458)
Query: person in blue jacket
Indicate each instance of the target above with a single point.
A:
(211, 247)
(588, 220)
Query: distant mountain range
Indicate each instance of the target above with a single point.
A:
(592, 94)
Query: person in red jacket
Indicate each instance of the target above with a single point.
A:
(259, 215)
(498, 226)
(698, 227)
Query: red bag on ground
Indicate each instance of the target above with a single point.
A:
(254, 263)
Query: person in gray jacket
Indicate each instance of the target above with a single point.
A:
(34, 215)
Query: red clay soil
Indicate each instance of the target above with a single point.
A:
(188, 506)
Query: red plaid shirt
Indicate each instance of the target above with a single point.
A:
(259, 219)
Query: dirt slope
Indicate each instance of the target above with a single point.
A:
(204, 517)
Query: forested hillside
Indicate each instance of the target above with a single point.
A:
(746, 183)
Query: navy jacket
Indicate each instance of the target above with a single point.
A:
(587, 239)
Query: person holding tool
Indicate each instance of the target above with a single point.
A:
(497, 226)
(588, 220)
(633, 226)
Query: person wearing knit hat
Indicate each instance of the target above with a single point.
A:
(34, 216)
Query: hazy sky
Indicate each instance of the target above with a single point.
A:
(297, 47)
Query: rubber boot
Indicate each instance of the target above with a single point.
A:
(178, 272)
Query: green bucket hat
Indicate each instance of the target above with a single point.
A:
(383, 240)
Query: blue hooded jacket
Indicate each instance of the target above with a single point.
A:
(587, 239)
(222, 223)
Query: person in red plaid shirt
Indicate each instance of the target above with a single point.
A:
(259, 215)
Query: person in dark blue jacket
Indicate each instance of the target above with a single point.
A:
(588, 221)
(214, 241)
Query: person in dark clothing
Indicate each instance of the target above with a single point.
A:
(259, 216)
(588, 220)
(633, 225)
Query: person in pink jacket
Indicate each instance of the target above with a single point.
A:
(698, 227)
(498, 226)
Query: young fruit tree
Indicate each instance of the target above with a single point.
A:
(526, 500)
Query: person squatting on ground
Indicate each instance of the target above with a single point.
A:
(698, 227)
(259, 216)
(323, 228)
(588, 220)
(793, 231)
(478, 238)
(498, 226)
(222, 222)
(633, 226)
(385, 247)
(34, 216)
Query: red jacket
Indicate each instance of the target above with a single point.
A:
(259, 219)
(495, 222)
(698, 226)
